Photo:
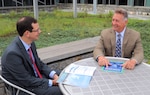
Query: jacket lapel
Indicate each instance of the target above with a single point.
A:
(23, 50)
(113, 41)
(125, 40)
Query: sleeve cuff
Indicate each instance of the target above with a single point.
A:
(50, 83)
(52, 73)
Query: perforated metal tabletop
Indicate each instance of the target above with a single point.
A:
(130, 82)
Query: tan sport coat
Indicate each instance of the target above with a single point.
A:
(131, 46)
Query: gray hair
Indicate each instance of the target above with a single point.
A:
(123, 12)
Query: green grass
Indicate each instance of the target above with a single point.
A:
(60, 27)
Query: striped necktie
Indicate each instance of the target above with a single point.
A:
(118, 46)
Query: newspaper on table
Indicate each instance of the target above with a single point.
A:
(77, 75)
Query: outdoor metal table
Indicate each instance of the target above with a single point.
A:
(129, 82)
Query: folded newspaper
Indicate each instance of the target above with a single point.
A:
(77, 75)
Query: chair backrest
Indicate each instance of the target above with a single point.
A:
(17, 87)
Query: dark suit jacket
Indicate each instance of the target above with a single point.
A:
(17, 67)
(131, 48)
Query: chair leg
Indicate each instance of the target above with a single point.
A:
(7, 91)
(17, 93)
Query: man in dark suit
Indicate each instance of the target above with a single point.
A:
(130, 42)
(17, 61)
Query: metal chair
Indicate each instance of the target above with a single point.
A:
(15, 86)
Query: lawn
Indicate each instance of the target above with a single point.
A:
(60, 27)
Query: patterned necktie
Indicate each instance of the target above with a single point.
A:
(34, 64)
(118, 46)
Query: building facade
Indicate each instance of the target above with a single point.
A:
(6, 3)
(113, 2)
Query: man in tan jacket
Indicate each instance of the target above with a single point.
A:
(131, 45)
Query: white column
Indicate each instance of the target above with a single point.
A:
(74, 8)
(35, 8)
(94, 6)
(3, 3)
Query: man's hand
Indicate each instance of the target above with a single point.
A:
(130, 64)
(102, 61)
(55, 80)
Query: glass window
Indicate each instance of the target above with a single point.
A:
(138, 2)
(122, 2)
(99, 1)
(113, 2)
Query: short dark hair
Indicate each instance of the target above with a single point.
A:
(123, 12)
(25, 23)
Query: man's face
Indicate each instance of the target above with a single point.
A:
(34, 35)
(118, 22)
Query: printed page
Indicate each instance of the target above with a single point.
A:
(77, 80)
(81, 70)
(114, 67)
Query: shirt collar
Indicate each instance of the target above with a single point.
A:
(122, 32)
(25, 44)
